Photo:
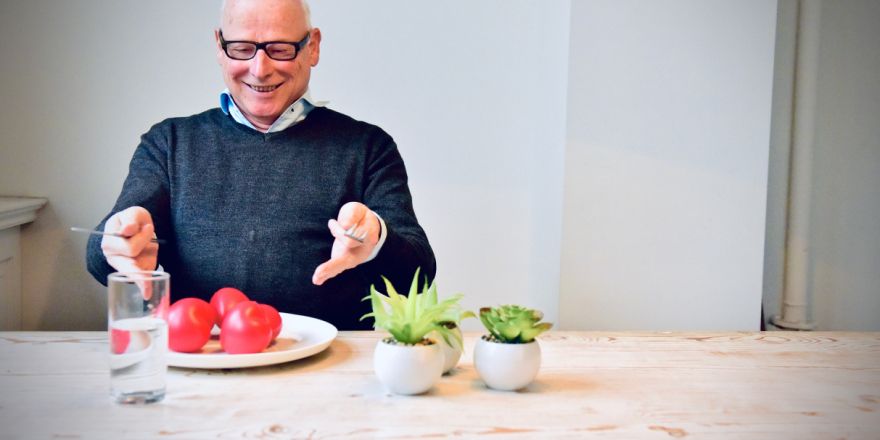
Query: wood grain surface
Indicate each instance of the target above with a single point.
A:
(773, 385)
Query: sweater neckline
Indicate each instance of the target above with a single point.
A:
(250, 132)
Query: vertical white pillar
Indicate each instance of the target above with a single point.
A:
(796, 293)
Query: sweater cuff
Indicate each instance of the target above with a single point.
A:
(383, 234)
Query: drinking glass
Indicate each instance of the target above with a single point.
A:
(137, 306)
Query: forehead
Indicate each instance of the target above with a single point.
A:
(263, 20)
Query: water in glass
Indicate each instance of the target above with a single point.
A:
(137, 359)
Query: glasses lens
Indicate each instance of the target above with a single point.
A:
(281, 51)
(241, 51)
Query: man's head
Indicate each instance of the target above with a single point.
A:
(263, 87)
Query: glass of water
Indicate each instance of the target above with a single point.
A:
(137, 307)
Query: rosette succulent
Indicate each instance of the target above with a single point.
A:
(513, 324)
(410, 318)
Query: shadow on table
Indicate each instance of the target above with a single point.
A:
(464, 380)
(337, 353)
(561, 384)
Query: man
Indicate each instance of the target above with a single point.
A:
(240, 195)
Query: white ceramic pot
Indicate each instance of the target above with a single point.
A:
(507, 367)
(408, 369)
(451, 352)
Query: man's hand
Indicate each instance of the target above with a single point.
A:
(135, 252)
(347, 253)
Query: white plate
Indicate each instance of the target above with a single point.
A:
(301, 336)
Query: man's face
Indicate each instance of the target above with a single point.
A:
(262, 87)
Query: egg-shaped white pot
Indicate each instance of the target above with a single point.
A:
(507, 367)
(451, 350)
(408, 369)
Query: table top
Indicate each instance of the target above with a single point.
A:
(592, 384)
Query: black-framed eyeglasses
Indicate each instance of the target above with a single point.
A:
(277, 50)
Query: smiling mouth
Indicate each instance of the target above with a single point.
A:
(263, 89)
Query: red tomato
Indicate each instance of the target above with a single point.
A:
(190, 321)
(274, 319)
(119, 340)
(245, 329)
(225, 300)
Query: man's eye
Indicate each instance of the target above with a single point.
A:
(281, 51)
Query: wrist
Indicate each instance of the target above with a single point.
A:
(383, 234)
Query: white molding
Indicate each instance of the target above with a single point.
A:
(16, 211)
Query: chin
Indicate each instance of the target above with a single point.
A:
(265, 113)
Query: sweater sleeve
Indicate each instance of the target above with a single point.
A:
(406, 245)
(147, 185)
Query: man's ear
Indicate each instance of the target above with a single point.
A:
(220, 54)
(315, 47)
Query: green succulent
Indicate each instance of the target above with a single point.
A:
(513, 324)
(410, 318)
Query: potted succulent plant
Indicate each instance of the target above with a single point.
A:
(409, 362)
(453, 347)
(508, 358)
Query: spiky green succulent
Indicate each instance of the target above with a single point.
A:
(409, 318)
(513, 324)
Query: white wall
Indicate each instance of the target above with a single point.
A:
(666, 164)
(81, 80)
(474, 94)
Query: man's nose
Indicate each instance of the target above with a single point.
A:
(261, 64)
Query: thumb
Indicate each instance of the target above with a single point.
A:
(329, 269)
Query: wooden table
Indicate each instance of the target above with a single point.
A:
(778, 385)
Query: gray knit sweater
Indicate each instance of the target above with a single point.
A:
(247, 209)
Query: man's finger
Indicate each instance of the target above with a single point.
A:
(123, 264)
(128, 229)
(113, 224)
(324, 272)
(143, 238)
(129, 221)
(135, 214)
(339, 232)
(128, 265)
(131, 246)
(146, 289)
(335, 228)
(330, 269)
(128, 224)
(351, 213)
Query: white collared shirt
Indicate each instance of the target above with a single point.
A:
(295, 113)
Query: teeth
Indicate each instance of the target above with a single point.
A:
(263, 88)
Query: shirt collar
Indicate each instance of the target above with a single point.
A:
(294, 114)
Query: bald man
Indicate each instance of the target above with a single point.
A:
(297, 205)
